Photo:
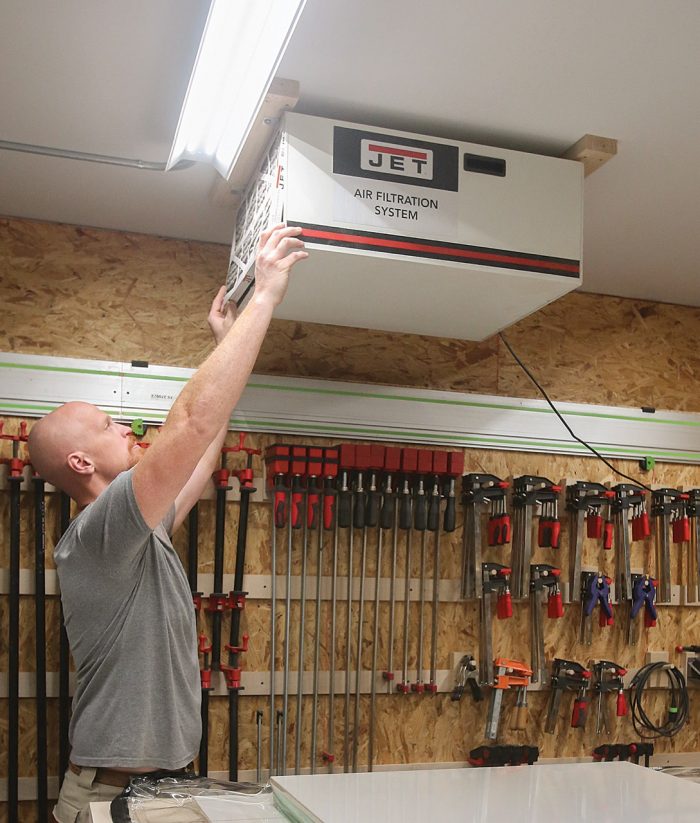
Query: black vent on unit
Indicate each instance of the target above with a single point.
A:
(485, 165)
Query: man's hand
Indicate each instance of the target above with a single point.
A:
(278, 250)
(221, 316)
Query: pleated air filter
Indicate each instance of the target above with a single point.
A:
(410, 233)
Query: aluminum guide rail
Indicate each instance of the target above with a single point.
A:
(34, 384)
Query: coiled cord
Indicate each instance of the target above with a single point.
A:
(677, 711)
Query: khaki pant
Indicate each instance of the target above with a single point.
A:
(77, 792)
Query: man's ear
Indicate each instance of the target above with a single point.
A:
(80, 463)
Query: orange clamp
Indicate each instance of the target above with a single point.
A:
(515, 673)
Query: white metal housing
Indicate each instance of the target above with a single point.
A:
(413, 234)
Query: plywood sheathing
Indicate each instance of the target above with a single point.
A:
(105, 295)
(109, 295)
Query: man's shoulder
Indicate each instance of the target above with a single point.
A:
(120, 487)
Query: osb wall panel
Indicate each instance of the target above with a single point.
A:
(402, 721)
(105, 295)
(452, 728)
(99, 294)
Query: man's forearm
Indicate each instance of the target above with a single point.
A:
(208, 399)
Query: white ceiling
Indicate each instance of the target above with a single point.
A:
(536, 75)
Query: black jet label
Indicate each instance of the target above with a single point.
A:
(395, 158)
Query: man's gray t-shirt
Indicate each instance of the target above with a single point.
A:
(131, 627)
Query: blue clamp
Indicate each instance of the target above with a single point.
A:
(643, 594)
(597, 590)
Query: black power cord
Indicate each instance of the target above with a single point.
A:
(677, 711)
(565, 424)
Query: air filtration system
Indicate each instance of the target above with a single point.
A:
(410, 233)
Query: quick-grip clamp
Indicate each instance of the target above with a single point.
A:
(596, 590)
(496, 578)
(644, 594)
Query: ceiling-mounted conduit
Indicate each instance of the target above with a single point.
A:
(106, 159)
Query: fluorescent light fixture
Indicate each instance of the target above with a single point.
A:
(241, 48)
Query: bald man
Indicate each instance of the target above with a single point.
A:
(126, 599)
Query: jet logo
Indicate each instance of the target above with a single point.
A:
(395, 158)
(392, 159)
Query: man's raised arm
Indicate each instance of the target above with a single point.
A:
(206, 403)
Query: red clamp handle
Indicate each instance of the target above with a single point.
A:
(594, 525)
(312, 509)
(328, 510)
(681, 530)
(578, 716)
(238, 649)
(280, 509)
(555, 533)
(404, 688)
(241, 447)
(604, 620)
(621, 704)
(504, 606)
(641, 527)
(505, 529)
(494, 530)
(297, 497)
(608, 533)
(555, 607)
(327, 757)
(15, 438)
(388, 675)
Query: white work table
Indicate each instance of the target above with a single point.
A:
(597, 792)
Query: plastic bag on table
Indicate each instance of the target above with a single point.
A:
(189, 799)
